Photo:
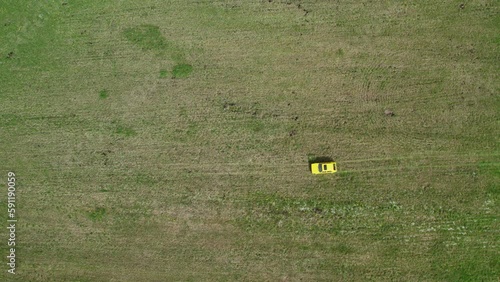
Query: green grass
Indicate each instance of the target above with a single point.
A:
(171, 141)
(181, 70)
(103, 94)
(150, 38)
(97, 214)
(147, 36)
(127, 131)
(163, 73)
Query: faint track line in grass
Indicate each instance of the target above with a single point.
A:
(263, 169)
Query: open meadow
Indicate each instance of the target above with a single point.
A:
(169, 140)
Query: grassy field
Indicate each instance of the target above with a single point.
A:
(169, 140)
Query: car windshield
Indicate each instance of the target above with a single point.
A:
(320, 168)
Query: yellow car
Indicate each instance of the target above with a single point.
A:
(322, 168)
